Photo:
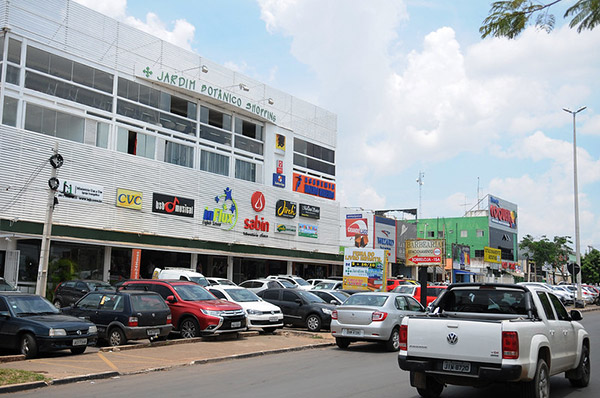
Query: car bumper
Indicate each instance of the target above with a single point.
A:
(47, 344)
(144, 332)
(226, 325)
(480, 372)
(265, 321)
(377, 331)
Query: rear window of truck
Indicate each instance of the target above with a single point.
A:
(489, 301)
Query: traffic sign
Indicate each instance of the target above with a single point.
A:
(571, 267)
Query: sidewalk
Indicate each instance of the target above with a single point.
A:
(63, 368)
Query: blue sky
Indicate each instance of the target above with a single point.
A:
(416, 89)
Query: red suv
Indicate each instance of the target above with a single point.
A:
(195, 311)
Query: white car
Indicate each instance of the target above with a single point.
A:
(329, 285)
(258, 285)
(260, 314)
(564, 297)
(213, 280)
(295, 280)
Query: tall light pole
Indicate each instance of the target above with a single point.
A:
(576, 190)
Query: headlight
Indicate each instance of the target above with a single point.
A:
(92, 329)
(211, 313)
(326, 311)
(58, 332)
(254, 312)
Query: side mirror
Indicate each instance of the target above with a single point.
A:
(171, 299)
(576, 315)
(333, 302)
(299, 301)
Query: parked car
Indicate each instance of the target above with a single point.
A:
(433, 291)
(328, 285)
(31, 324)
(335, 297)
(314, 281)
(563, 296)
(182, 274)
(67, 293)
(588, 298)
(373, 316)
(393, 283)
(5, 286)
(124, 315)
(300, 308)
(261, 314)
(214, 281)
(195, 311)
(295, 280)
(258, 285)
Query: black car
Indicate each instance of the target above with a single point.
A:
(30, 324)
(68, 292)
(300, 307)
(124, 315)
(335, 297)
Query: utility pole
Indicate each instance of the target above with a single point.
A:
(56, 161)
(420, 182)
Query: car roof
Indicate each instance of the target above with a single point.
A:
(225, 287)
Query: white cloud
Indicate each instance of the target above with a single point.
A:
(182, 33)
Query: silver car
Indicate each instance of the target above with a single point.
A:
(373, 316)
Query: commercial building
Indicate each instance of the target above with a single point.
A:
(169, 159)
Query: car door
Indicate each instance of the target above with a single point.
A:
(80, 290)
(7, 329)
(566, 332)
(110, 308)
(291, 304)
(554, 334)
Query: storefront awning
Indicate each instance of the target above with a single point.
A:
(462, 272)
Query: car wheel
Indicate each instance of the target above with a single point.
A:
(57, 303)
(582, 372)
(342, 342)
(116, 337)
(313, 323)
(189, 328)
(433, 388)
(269, 330)
(539, 387)
(28, 346)
(78, 350)
(393, 344)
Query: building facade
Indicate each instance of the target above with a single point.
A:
(169, 159)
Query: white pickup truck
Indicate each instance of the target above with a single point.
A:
(478, 333)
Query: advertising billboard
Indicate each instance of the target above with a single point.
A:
(461, 257)
(364, 269)
(424, 252)
(356, 228)
(404, 231)
(385, 236)
(502, 214)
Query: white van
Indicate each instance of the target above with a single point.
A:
(184, 274)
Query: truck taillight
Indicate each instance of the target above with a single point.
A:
(510, 345)
(169, 321)
(403, 337)
(334, 314)
(133, 321)
(378, 316)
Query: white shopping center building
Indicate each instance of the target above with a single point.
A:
(167, 156)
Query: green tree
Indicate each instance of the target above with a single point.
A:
(509, 18)
(590, 267)
(544, 251)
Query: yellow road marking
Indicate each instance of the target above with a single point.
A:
(109, 363)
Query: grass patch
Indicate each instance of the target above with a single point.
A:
(14, 376)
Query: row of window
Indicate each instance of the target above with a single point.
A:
(480, 233)
(314, 157)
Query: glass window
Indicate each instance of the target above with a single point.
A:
(218, 293)
(480, 233)
(401, 303)
(245, 170)
(215, 118)
(463, 233)
(51, 122)
(215, 135)
(214, 163)
(102, 135)
(12, 75)
(546, 304)
(179, 154)
(103, 81)
(310, 163)
(147, 302)
(69, 127)
(271, 295)
(164, 291)
(61, 67)
(289, 296)
(82, 74)
(91, 301)
(9, 114)
(14, 51)
(248, 129)
(248, 145)
(135, 143)
(38, 59)
(414, 305)
(560, 309)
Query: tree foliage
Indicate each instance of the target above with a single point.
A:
(590, 267)
(544, 251)
(510, 17)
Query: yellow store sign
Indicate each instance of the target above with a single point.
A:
(491, 255)
(129, 199)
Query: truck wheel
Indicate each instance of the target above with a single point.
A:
(393, 344)
(582, 372)
(342, 342)
(433, 388)
(539, 387)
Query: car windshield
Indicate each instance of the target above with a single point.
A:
(406, 289)
(31, 305)
(225, 282)
(100, 286)
(242, 295)
(370, 300)
(199, 280)
(193, 293)
(311, 298)
(342, 296)
(286, 284)
(324, 286)
(301, 282)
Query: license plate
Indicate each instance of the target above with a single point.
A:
(454, 366)
(77, 342)
(153, 332)
(273, 319)
(352, 332)
(236, 324)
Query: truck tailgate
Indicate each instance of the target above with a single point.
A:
(477, 340)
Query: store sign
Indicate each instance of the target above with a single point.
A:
(278, 180)
(314, 186)
(503, 214)
(357, 228)
(129, 199)
(385, 236)
(136, 255)
(279, 168)
(424, 252)
(280, 142)
(308, 231)
(364, 269)
(79, 191)
(286, 229)
(286, 209)
(175, 205)
(258, 201)
(177, 79)
(309, 211)
(224, 213)
(491, 255)
(256, 227)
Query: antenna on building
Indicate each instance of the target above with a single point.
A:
(478, 201)
(420, 182)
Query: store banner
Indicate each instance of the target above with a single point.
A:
(491, 255)
(364, 269)
(136, 256)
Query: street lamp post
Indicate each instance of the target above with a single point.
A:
(576, 190)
